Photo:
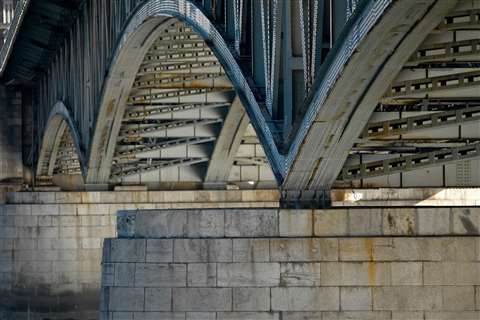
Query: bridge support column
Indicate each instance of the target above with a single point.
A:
(11, 165)
(270, 264)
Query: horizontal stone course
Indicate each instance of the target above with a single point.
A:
(237, 223)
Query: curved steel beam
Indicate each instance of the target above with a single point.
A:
(58, 121)
(377, 42)
(138, 34)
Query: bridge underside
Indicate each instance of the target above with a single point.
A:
(198, 99)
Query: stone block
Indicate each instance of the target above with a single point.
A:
(251, 299)
(248, 274)
(407, 298)
(201, 316)
(159, 315)
(466, 221)
(305, 299)
(456, 315)
(356, 249)
(202, 275)
(295, 223)
(159, 250)
(202, 299)
(45, 209)
(299, 315)
(410, 315)
(161, 223)
(23, 244)
(451, 273)
(399, 221)
(458, 298)
(408, 249)
(158, 299)
(355, 298)
(160, 275)
(459, 249)
(127, 250)
(299, 274)
(45, 221)
(330, 223)
(433, 221)
(124, 274)
(355, 274)
(91, 243)
(25, 221)
(251, 223)
(407, 273)
(206, 223)
(365, 222)
(309, 249)
(126, 299)
(203, 250)
(251, 250)
(357, 315)
(247, 316)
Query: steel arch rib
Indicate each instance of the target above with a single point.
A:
(59, 114)
(191, 15)
(313, 165)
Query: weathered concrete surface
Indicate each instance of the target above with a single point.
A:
(368, 263)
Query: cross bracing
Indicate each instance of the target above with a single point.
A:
(178, 105)
(427, 122)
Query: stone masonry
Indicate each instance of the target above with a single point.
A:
(270, 264)
(51, 245)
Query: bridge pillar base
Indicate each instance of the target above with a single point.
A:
(305, 199)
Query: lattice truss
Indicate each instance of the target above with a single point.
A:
(175, 113)
(425, 130)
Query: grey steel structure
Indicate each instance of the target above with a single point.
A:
(302, 95)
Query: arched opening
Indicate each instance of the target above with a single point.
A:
(170, 114)
(60, 161)
(143, 31)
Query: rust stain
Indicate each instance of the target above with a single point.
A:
(372, 266)
(410, 226)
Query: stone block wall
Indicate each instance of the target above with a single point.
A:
(51, 245)
(260, 264)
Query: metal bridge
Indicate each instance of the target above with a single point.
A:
(303, 95)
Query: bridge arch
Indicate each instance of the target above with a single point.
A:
(138, 36)
(60, 145)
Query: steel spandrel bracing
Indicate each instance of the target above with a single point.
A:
(410, 162)
(432, 107)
